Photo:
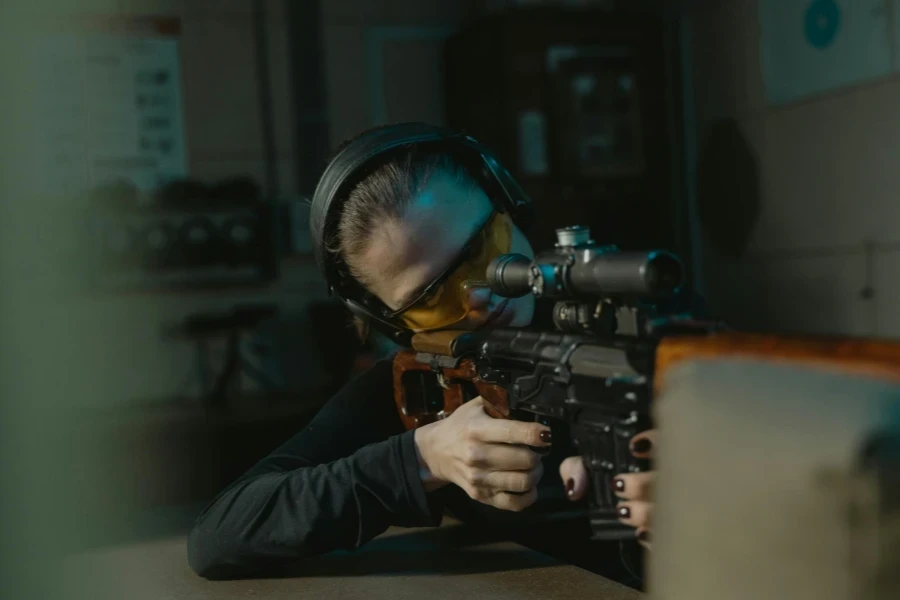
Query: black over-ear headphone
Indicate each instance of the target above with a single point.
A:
(356, 160)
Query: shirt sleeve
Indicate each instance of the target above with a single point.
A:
(345, 478)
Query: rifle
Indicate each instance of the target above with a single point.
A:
(617, 332)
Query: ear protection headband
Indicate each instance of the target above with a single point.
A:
(355, 160)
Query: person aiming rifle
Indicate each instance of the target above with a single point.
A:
(405, 221)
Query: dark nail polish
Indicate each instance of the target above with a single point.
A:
(546, 437)
(624, 512)
(619, 484)
(644, 536)
(642, 445)
(570, 487)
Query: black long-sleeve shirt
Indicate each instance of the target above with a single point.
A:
(342, 480)
(348, 476)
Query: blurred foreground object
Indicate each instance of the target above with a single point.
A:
(776, 481)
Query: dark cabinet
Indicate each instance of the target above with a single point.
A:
(575, 104)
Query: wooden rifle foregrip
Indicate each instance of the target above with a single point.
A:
(495, 397)
(879, 359)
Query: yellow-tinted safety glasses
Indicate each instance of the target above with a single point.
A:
(446, 300)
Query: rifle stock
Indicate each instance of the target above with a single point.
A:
(452, 383)
(853, 356)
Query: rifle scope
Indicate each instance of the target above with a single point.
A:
(577, 268)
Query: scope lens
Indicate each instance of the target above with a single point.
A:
(664, 273)
(508, 275)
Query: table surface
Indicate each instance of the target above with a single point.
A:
(449, 562)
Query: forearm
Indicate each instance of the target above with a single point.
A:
(430, 481)
(274, 519)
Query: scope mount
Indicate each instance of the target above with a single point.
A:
(603, 317)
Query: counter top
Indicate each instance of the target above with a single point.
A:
(449, 562)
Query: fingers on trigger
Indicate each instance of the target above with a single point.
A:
(514, 433)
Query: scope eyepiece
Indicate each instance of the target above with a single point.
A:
(509, 275)
(663, 273)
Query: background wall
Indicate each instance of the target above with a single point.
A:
(224, 138)
(370, 42)
(825, 238)
(157, 448)
(365, 43)
(824, 248)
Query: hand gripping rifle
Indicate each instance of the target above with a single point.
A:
(617, 330)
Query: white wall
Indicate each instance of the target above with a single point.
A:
(829, 182)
